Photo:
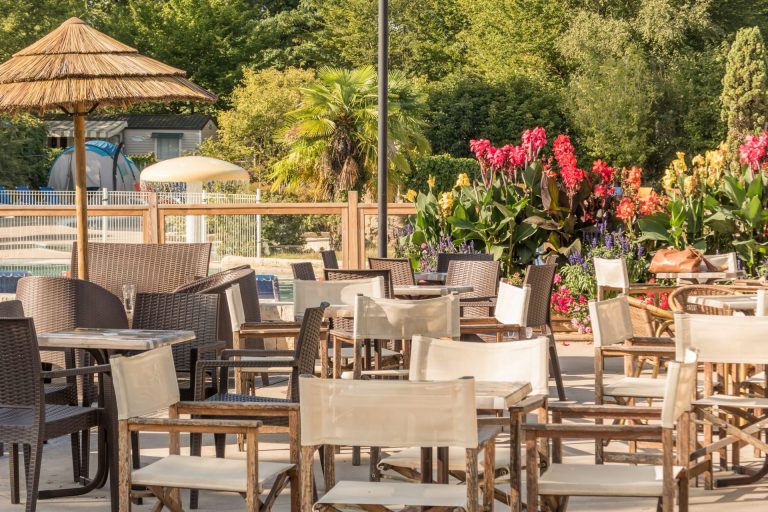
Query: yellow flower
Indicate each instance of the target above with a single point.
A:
(463, 180)
(716, 159)
(679, 164)
(690, 183)
(669, 180)
(446, 204)
(698, 161)
(410, 196)
(431, 181)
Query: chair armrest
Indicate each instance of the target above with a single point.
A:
(197, 425)
(73, 372)
(639, 350)
(652, 340)
(236, 408)
(213, 346)
(486, 433)
(478, 320)
(530, 403)
(572, 431)
(270, 329)
(249, 363)
(603, 411)
(226, 354)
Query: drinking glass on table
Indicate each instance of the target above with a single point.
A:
(129, 298)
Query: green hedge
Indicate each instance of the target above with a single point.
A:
(444, 168)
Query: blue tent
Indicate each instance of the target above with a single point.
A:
(106, 167)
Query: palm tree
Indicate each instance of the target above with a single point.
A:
(332, 136)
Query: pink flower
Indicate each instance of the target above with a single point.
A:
(515, 156)
(626, 209)
(558, 278)
(479, 147)
(603, 171)
(753, 150)
(534, 140)
(496, 157)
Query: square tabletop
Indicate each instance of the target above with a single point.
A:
(430, 290)
(431, 276)
(113, 339)
(500, 395)
(745, 302)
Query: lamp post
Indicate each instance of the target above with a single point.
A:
(383, 110)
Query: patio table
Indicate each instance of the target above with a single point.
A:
(429, 290)
(432, 277)
(698, 277)
(100, 343)
(746, 303)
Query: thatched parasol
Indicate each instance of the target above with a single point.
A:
(77, 69)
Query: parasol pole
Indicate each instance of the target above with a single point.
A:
(81, 193)
(382, 128)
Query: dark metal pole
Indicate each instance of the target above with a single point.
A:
(383, 72)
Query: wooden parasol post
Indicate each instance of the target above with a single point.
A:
(81, 193)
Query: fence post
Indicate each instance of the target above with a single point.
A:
(352, 232)
(151, 221)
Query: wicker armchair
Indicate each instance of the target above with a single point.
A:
(183, 311)
(541, 280)
(678, 300)
(483, 277)
(402, 271)
(329, 259)
(153, 268)
(444, 260)
(218, 284)
(26, 419)
(650, 321)
(303, 271)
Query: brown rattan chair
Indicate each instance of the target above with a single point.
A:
(678, 300)
(650, 321)
(444, 260)
(402, 271)
(218, 283)
(153, 268)
(60, 303)
(345, 275)
(303, 271)
(541, 280)
(183, 311)
(300, 361)
(483, 277)
(329, 259)
(26, 419)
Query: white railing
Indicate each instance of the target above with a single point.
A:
(122, 198)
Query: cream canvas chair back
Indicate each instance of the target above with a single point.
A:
(611, 273)
(724, 262)
(388, 413)
(519, 361)
(761, 304)
(395, 319)
(611, 321)
(310, 294)
(722, 339)
(145, 383)
(235, 305)
(512, 304)
(679, 389)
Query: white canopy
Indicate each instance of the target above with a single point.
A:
(189, 169)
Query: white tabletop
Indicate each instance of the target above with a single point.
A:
(745, 302)
(112, 339)
(430, 290)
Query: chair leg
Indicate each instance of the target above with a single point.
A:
(33, 473)
(85, 451)
(135, 453)
(195, 450)
(220, 441)
(76, 457)
(554, 366)
(13, 470)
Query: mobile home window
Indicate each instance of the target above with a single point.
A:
(167, 145)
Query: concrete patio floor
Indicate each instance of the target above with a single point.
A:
(576, 360)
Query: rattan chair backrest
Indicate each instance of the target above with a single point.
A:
(144, 384)
(512, 304)
(402, 271)
(727, 262)
(679, 299)
(444, 259)
(722, 339)
(679, 389)
(541, 279)
(21, 384)
(482, 276)
(329, 259)
(611, 321)
(388, 413)
(308, 294)
(393, 319)
(306, 349)
(519, 361)
(179, 311)
(11, 309)
(611, 273)
(351, 274)
(151, 267)
(303, 271)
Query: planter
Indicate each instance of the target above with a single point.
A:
(564, 330)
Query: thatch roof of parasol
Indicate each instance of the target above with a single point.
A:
(76, 66)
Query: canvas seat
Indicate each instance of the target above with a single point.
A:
(635, 387)
(604, 480)
(205, 473)
(394, 494)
